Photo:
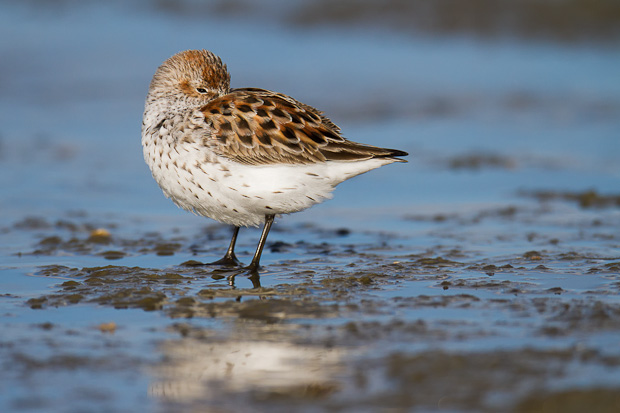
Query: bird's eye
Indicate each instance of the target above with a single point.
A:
(201, 90)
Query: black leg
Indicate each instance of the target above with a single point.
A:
(253, 267)
(229, 259)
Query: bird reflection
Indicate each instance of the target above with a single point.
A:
(232, 274)
(200, 371)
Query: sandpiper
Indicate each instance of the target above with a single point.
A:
(242, 156)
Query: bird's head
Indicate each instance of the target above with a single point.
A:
(194, 76)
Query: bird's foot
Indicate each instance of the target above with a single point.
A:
(227, 261)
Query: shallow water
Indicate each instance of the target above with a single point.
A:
(482, 275)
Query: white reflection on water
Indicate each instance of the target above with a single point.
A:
(198, 371)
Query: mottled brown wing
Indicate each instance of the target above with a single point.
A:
(259, 127)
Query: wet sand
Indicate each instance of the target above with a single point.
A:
(339, 324)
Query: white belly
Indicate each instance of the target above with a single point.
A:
(241, 195)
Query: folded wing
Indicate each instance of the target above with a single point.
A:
(260, 127)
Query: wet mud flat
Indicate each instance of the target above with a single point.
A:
(511, 308)
(499, 295)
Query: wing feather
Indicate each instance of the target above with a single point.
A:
(260, 127)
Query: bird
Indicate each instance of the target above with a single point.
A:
(242, 156)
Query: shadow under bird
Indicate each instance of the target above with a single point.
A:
(242, 156)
